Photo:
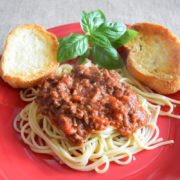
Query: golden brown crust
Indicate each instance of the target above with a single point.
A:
(18, 81)
(162, 86)
(158, 44)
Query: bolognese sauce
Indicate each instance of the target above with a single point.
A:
(88, 100)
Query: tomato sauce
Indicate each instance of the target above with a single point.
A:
(88, 100)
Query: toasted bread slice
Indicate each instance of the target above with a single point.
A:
(154, 58)
(30, 53)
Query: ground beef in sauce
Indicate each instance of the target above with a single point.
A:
(90, 99)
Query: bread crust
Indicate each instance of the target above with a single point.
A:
(167, 79)
(18, 81)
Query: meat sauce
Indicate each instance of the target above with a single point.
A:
(90, 99)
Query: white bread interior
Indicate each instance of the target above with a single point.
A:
(29, 54)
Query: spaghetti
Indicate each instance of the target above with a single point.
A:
(101, 147)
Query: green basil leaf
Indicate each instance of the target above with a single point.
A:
(83, 57)
(107, 57)
(112, 31)
(72, 46)
(99, 40)
(125, 38)
(92, 20)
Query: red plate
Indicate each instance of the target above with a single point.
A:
(18, 162)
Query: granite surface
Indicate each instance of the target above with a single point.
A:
(50, 13)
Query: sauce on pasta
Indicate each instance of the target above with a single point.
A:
(90, 99)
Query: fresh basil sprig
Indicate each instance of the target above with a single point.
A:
(91, 21)
(113, 31)
(125, 38)
(107, 57)
(100, 40)
(72, 46)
